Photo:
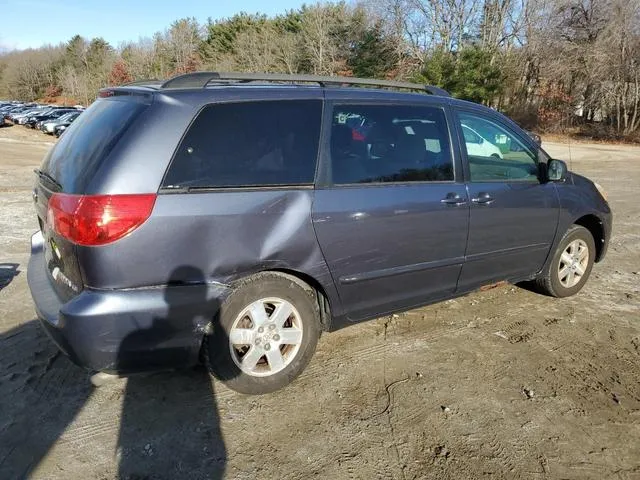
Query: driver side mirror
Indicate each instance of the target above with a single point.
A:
(557, 170)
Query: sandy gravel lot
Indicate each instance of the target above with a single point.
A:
(435, 393)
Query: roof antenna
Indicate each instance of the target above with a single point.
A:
(570, 158)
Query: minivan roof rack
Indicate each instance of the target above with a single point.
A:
(203, 79)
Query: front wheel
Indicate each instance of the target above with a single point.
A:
(571, 264)
(265, 335)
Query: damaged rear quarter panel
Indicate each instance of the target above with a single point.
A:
(227, 234)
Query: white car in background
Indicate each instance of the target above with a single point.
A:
(477, 145)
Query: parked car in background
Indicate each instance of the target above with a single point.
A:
(49, 126)
(233, 218)
(24, 117)
(21, 115)
(33, 120)
(60, 129)
(479, 146)
(7, 110)
(5, 107)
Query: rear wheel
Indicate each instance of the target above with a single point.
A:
(571, 264)
(267, 333)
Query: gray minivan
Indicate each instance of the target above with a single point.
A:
(232, 218)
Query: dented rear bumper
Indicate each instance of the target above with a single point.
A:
(128, 330)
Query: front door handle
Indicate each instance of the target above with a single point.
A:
(483, 198)
(453, 198)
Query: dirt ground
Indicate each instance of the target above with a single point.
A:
(500, 384)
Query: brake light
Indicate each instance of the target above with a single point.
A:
(357, 136)
(93, 220)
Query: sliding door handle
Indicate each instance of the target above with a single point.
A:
(483, 198)
(453, 199)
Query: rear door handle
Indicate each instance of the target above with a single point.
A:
(453, 199)
(483, 198)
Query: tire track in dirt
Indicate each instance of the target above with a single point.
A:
(379, 350)
(353, 453)
(382, 414)
(573, 363)
(503, 456)
(81, 434)
(572, 375)
(384, 466)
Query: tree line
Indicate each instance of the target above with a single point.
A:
(554, 65)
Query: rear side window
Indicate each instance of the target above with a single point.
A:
(267, 143)
(389, 143)
(77, 156)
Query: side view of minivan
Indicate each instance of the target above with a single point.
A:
(231, 218)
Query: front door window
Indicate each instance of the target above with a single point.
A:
(494, 152)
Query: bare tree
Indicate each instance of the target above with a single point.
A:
(565, 62)
(317, 40)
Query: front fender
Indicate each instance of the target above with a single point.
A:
(581, 203)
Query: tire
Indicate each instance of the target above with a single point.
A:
(553, 281)
(241, 366)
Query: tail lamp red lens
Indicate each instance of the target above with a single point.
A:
(93, 220)
(357, 136)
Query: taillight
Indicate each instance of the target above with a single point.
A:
(97, 219)
(357, 136)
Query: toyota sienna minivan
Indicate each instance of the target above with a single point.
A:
(232, 218)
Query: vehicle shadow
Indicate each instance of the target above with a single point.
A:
(169, 425)
(530, 286)
(8, 271)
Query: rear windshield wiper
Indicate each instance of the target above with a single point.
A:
(49, 178)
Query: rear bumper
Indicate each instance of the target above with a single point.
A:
(124, 331)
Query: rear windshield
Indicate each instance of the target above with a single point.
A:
(77, 156)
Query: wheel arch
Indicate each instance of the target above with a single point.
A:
(596, 227)
(324, 303)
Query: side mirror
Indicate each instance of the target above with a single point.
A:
(557, 170)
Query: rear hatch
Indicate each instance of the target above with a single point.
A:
(65, 176)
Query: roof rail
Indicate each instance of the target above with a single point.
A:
(203, 79)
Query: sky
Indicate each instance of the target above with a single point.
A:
(32, 23)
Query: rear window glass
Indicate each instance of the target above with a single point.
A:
(267, 143)
(77, 156)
